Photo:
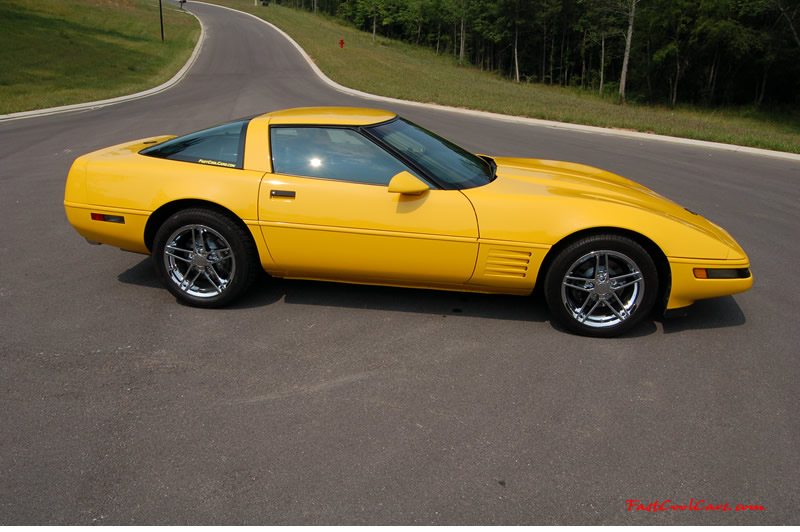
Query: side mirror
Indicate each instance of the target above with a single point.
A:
(406, 183)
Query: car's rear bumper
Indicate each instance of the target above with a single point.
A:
(122, 228)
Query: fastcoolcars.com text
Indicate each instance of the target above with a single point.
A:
(635, 505)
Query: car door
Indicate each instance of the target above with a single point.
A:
(326, 212)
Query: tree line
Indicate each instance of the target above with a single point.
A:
(708, 52)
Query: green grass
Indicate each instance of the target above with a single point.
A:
(400, 70)
(60, 52)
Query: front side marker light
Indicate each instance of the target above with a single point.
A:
(722, 273)
(97, 217)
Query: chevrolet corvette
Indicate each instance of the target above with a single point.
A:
(365, 196)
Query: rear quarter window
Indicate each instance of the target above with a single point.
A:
(219, 146)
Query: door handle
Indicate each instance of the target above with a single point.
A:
(281, 194)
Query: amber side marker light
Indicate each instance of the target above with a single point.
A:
(722, 273)
(97, 217)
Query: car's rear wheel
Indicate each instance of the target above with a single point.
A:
(204, 257)
(601, 285)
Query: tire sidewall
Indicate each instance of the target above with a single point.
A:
(567, 257)
(229, 230)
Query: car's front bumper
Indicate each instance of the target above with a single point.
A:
(693, 280)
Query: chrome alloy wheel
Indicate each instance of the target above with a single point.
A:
(602, 289)
(199, 261)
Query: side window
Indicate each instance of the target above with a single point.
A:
(218, 146)
(331, 153)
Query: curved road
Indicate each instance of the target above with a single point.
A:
(316, 403)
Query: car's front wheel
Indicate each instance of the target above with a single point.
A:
(204, 258)
(601, 285)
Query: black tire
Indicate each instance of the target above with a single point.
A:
(205, 258)
(601, 285)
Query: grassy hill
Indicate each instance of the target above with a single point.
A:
(59, 52)
(400, 70)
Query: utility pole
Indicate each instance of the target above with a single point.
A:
(161, 16)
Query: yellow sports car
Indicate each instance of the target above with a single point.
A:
(364, 196)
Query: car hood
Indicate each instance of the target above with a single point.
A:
(546, 177)
(533, 193)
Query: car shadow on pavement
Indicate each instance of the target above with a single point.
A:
(143, 274)
(706, 314)
(439, 302)
(268, 290)
(717, 313)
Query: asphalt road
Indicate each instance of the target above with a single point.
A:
(318, 403)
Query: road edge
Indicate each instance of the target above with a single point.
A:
(174, 80)
(354, 92)
(517, 119)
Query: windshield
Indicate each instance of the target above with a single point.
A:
(451, 166)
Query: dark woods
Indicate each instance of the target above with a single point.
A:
(708, 52)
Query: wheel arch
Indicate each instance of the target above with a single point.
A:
(655, 252)
(162, 214)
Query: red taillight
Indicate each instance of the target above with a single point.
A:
(97, 217)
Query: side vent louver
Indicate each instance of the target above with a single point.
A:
(507, 263)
